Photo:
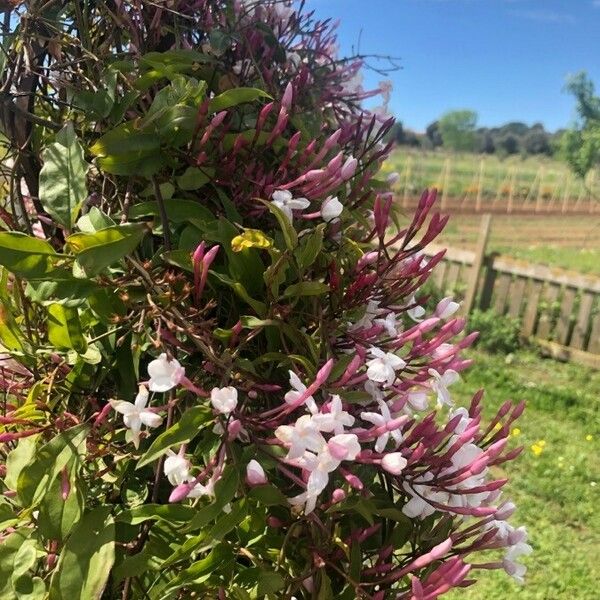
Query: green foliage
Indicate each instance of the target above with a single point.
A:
(457, 129)
(497, 333)
(581, 144)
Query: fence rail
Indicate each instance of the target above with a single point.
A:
(560, 309)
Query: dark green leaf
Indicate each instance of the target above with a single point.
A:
(186, 428)
(178, 210)
(157, 512)
(306, 288)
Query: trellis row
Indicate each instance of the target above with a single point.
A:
(559, 309)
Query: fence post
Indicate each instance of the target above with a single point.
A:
(484, 232)
(479, 186)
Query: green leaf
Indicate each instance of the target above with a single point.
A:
(157, 512)
(137, 162)
(94, 220)
(289, 233)
(310, 247)
(235, 96)
(36, 477)
(86, 559)
(10, 333)
(58, 515)
(228, 521)
(194, 178)
(200, 570)
(64, 328)
(268, 495)
(124, 139)
(306, 288)
(8, 551)
(96, 251)
(241, 291)
(26, 256)
(63, 177)
(186, 428)
(18, 458)
(178, 210)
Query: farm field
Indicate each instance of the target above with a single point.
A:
(568, 241)
(565, 241)
(530, 178)
(556, 480)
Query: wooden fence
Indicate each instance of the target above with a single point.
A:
(559, 309)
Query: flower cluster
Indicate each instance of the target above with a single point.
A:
(240, 246)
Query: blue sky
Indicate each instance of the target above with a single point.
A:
(506, 59)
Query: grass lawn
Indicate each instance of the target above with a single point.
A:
(557, 491)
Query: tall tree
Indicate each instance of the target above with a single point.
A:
(457, 129)
(581, 144)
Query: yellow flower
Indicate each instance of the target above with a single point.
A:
(251, 238)
(515, 432)
(542, 443)
(537, 449)
(589, 437)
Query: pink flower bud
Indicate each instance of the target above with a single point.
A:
(349, 168)
(338, 495)
(505, 511)
(218, 118)
(274, 521)
(288, 95)
(393, 462)
(233, 429)
(255, 474)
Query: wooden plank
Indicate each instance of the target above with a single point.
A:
(501, 292)
(515, 296)
(524, 269)
(564, 319)
(482, 240)
(549, 297)
(594, 343)
(452, 277)
(566, 354)
(533, 298)
(438, 274)
(583, 321)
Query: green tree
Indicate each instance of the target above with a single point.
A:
(581, 144)
(457, 129)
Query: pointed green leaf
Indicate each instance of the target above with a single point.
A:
(235, 96)
(63, 177)
(64, 328)
(25, 255)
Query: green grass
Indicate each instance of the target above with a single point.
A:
(557, 492)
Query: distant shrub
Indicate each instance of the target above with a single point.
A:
(498, 334)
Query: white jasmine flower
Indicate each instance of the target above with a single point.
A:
(298, 389)
(335, 420)
(417, 312)
(224, 400)
(331, 209)
(366, 321)
(136, 414)
(301, 436)
(389, 324)
(176, 467)
(382, 368)
(439, 384)
(379, 420)
(284, 200)
(164, 374)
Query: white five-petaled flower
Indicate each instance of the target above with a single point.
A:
(335, 420)
(338, 448)
(176, 467)
(284, 200)
(224, 400)
(298, 389)
(519, 547)
(389, 324)
(417, 399)
(381, 419)
(135, 414)
(439, 384)
(383, 366)
(301, 436)
(394, 462)
(331, 209)
(164, 374)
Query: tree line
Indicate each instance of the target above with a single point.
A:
(458, 131)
